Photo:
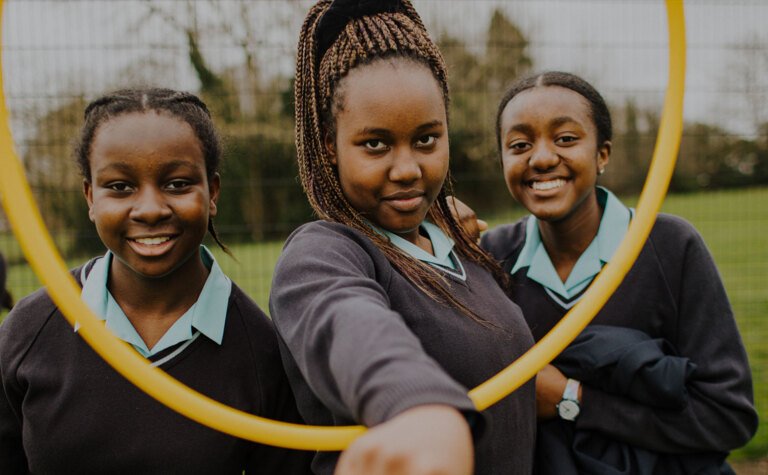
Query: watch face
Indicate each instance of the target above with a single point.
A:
(568, 409)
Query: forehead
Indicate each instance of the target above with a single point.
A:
(390, 82)
(542, 104)
(150, 136)
(143, 126)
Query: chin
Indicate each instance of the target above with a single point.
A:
(547, 214)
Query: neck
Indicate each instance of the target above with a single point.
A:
(161, 299)
(566, 239)
(417, 238)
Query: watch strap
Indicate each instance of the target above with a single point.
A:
(572, 390)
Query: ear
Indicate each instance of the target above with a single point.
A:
(88, 193)
(604, 155)
(330, 146)
(214, 188)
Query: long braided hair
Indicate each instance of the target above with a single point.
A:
(389, 29)
(184, 106)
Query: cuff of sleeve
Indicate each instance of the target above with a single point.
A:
(387, 404)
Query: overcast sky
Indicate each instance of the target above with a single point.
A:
(56, 48)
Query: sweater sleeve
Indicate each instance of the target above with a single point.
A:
(720, 415)
(356, 354)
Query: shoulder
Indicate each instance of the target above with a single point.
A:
(674, 227)
(245, 308)
(504, 240)
(320, 243)
(21, 326)
(328, 233)
(248, 320)
(673, 236)
(28, 317)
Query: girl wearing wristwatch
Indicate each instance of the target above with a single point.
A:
(660, 381)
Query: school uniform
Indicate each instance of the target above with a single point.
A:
(362, 344)
(672, 292)
(64, 410)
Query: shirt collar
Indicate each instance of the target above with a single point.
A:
(612, 229)
(207, 315)
(442, 246)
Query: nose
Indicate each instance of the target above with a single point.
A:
(543, 157)
(405, 166)
(150, 206)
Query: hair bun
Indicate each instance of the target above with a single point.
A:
(340, 12)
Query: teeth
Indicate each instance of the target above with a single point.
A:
(152, 241)
(547, 185)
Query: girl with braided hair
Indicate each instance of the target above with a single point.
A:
(387, 311)
(149, 158)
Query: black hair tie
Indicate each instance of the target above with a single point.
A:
(340, 12)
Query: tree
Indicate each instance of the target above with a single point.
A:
(506, 56)
(477, 81)
(55, 180)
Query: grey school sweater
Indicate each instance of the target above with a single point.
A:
(362, 344)
(64, 410)
(673, 292)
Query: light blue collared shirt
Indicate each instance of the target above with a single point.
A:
(206, 316)
(444, 257)
(613, 228)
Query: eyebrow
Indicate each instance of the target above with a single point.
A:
(554, 123)
(387, 132)
(558, 121)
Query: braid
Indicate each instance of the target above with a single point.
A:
(319, 95)
(184, 106)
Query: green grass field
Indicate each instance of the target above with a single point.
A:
(734, 224)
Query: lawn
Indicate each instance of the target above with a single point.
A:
(734, 224)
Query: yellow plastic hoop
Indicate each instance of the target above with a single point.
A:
(39, 249)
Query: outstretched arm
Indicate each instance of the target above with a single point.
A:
(360, 359)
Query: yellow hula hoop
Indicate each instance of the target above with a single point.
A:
(45, 260)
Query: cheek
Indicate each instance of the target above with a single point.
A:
(512, 171)
(513, 176)
(347, 179)
(437, 167)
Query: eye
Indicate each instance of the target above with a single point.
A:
(426, 141)
(119, 186)
(176, 185)
(519, 146)
(566, 139)
(375, 145)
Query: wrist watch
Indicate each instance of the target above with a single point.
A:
(568, 408)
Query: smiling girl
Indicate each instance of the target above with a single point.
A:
(387, 310)
(150, 159)
(682, 409)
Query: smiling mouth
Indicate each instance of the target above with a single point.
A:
(153, 241)
(547, 185)
(152, 246)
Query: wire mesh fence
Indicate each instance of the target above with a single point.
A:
(238, 55)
